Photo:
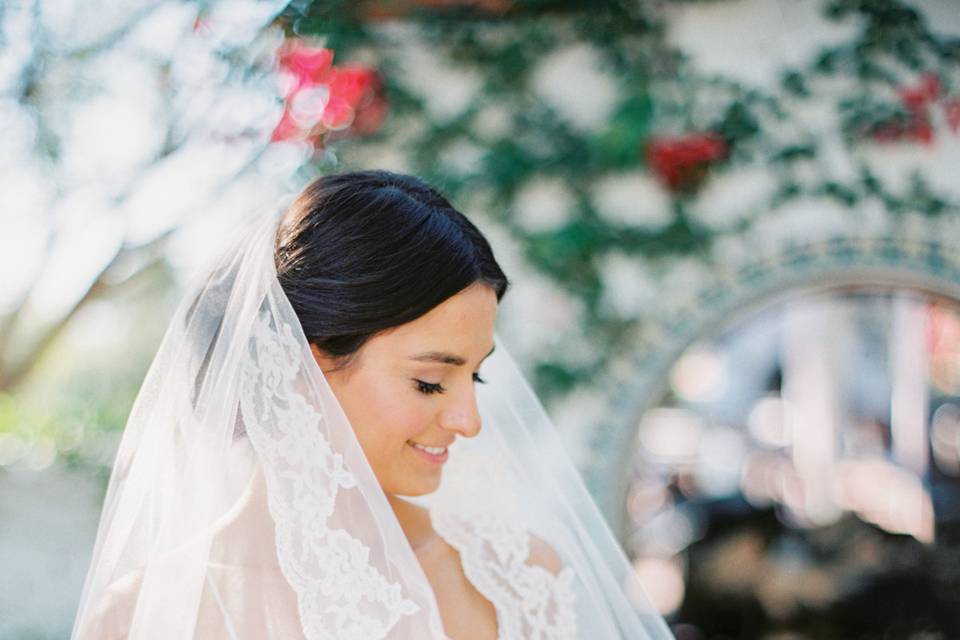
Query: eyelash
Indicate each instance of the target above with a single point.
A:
(429, 388)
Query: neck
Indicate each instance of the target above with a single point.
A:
(413, 519)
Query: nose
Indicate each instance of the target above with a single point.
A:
(462, 415)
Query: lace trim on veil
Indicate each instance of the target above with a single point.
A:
(532, 602)
(340, 594)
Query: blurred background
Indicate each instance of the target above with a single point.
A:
(731, 227)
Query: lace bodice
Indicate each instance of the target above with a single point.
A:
(517, 572)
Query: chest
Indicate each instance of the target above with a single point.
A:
(466, 614)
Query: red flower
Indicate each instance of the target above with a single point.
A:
(351, 89)
(681, 163)
(952, 112)
(917, 98)
(921, 130)
(309, 66)
(353, 83)
(286, 129)
(369, 118)
(323, 98)
(916, 124)
(916, 128)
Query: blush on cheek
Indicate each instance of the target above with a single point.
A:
(387, 411)
(394, 412)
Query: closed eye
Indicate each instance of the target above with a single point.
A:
(429, 388)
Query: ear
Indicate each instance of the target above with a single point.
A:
(325, 361)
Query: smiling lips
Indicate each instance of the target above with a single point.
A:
(436, 455)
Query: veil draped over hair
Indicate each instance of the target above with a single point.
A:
(241, 504)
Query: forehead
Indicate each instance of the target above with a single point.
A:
(462, 324)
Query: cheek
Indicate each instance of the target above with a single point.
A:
(388, 414)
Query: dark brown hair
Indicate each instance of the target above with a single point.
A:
(361, 252)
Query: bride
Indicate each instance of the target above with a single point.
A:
(331, 443)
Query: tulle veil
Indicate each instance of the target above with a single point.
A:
(241, 505)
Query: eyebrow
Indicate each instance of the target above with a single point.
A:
(445, 358)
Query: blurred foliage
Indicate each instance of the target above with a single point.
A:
(682, 128)
(660, 100)
(79, 425)
(125, 132)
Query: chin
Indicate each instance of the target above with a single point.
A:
(416, 487)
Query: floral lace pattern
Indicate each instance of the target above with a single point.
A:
(341, 596)
(532, 603)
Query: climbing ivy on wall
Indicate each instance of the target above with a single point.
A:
(895, 83)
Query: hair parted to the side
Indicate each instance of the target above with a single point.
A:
(361, 252)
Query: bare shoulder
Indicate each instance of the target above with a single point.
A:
(543, 555)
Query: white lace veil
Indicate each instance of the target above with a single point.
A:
(241, 504)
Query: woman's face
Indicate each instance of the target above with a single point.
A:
(409, 392)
